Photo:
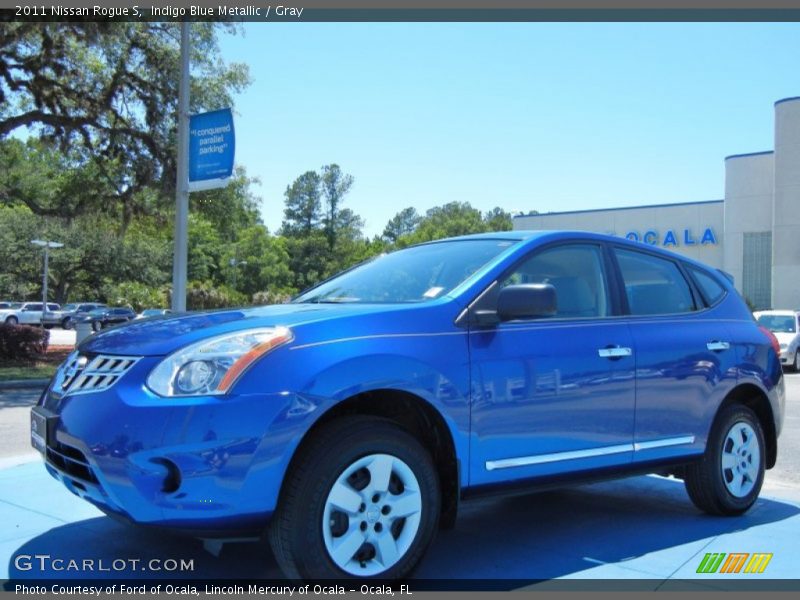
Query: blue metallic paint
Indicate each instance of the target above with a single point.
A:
(514, 390)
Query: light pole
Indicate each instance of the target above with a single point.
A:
(46, 244)
(235, 264)
(180, 261)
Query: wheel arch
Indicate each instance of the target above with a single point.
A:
(417, 416)
(755, 399)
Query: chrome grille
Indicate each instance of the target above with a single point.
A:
(82, 374)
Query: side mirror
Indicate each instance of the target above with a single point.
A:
(526, 301)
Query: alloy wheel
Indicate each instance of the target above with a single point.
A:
(372, 515)
(740, 459)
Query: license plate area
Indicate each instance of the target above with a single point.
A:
(42, 427)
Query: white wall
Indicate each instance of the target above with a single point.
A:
(786, 212)
(748, 205)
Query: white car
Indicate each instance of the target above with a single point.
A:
(30, 313)
(785, 324)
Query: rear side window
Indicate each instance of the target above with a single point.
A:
(653, 285)
(575, 271)
(710, 288)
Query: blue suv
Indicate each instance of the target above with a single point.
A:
(348, 424)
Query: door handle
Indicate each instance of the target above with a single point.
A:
(614, 352)
(717, 346)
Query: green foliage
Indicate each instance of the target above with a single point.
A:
(449, 220)
(137, 295)
(403, 223)
(203, 295)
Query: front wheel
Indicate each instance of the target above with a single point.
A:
(796, 363)
(12, 321)
(728, 479)
(362, 501)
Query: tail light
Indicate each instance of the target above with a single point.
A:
(776, 345)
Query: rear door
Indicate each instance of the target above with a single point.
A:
(685, 360)
(553, 395)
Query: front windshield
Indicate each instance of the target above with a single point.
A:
(778, 323)
(415, 274)
(68, 307)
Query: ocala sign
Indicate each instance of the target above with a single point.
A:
(674, 238)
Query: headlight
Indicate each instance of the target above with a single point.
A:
(212, 366)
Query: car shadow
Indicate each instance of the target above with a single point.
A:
(525, 538)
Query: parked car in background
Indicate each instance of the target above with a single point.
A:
(100, 318)
(349, 424)
(71, 314)
(9, 304)
(27, 313)
(785, 324)
(153, 312)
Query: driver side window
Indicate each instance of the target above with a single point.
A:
(576, 273)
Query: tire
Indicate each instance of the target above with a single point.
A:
(728, 479)
(66, 323)
(796, 363)
(12, 321)
(342, 464)
(96, 326)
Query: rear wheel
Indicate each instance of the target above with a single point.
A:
(362, 501)
(728, 479)
(66, 323)
(12, 321)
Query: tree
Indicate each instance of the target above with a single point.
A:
(105, 95)
(498, 220)
(403, 223)
(261, 263)
(303, 206)
(335, 185)
(448, 220)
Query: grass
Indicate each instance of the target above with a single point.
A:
(43, 367)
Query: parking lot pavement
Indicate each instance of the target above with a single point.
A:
(62, 337)
(643, 530)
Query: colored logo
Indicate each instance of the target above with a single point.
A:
(735, 562)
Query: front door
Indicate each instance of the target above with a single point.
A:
(553, 395)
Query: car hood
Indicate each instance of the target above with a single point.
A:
(158, 336)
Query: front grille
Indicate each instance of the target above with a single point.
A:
(71, 461)
(80, 374)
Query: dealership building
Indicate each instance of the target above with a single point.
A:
(752, 234)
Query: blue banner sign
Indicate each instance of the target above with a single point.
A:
(212, 143)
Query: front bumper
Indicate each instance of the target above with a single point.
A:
(210, 465)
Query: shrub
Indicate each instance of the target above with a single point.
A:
(22, 342)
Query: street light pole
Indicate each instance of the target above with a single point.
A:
(46, 244)
(181, 258)
(236, 264)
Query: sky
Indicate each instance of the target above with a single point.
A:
(525, 116)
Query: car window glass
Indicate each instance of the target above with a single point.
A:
(576, 273)
(711, 289)
(653, 285)
(53, 307)
(778, 323)
(33, 307)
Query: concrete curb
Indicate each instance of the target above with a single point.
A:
(16, 384)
